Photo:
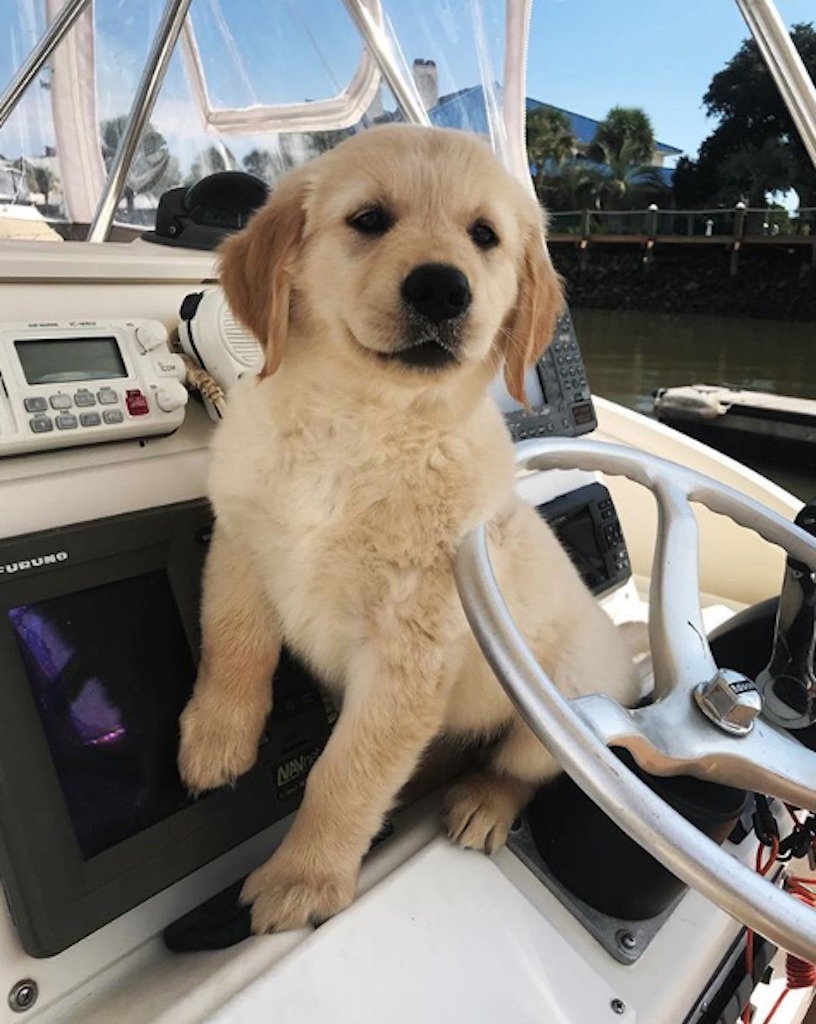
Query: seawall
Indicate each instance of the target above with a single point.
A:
(775, 282)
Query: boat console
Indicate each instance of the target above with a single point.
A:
(101, 546)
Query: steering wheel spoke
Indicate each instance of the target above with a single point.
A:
(672, 736)
(681, 656)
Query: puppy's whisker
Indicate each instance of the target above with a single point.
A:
(515, 342)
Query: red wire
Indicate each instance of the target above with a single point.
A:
(776, 1005)
(763, 869)
(799, 973)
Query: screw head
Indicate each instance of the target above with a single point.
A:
(626, 940)
(23, 995)
(618, 1006)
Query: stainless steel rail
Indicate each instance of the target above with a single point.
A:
(152, 77)
(786, 66)
(403, 87)
(50, 39)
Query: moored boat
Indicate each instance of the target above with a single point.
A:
(735, 410)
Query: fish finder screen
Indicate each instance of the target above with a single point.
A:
(110, 671)
(64, 360)
(577, 534)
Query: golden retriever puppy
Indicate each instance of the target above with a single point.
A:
(388, 281)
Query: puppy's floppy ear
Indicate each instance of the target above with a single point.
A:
(256, 267)
(531, 323)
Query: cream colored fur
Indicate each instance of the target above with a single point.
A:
(343, 483)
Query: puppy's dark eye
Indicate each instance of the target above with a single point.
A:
(483, 235)
(374, 220)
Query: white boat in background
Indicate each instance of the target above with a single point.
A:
(735, 410)
(108, 867)
(25, 223)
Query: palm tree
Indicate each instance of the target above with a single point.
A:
(571, 185)
(623, 172)
(550, 142)
(624, 126)
(153, 169)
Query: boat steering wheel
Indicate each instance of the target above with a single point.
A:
(704, 721)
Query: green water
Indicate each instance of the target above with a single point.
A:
(630, 355)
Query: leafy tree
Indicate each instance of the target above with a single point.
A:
(321, 142)
(269, 165)
(550, 143)
(152, 171)
(209, 161)
(624, 127)
(261, 163)
(695, 183)
(41, 179)
(292, 150)
(756, 171)
(754, 124)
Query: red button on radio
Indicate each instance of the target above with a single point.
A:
(136, 403)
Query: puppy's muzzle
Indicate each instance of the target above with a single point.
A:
(436, 297)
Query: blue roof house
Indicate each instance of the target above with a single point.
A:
(466, 109)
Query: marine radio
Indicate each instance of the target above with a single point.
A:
(76, 382)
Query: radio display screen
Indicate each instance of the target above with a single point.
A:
(69, 360)
(110, 671)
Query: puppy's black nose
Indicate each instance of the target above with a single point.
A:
(437, 291)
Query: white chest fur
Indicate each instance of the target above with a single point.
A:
(348, 513)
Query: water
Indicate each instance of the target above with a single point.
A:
(629, 355)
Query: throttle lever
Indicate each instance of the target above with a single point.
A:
(788, 683)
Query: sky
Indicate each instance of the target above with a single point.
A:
(584, 55)
(588, 55)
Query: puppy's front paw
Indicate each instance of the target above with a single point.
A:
(284, 897)
(217, 745)
(480, 809)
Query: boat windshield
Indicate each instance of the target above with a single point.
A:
(253, 87)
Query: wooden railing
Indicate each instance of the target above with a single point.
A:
(736, 225)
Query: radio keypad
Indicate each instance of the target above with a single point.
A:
(107, 396)
(61, 402)
(113, 416)
(66, 421)
(35, 404)
(41, 424)
(83, 398)
(90, 419)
